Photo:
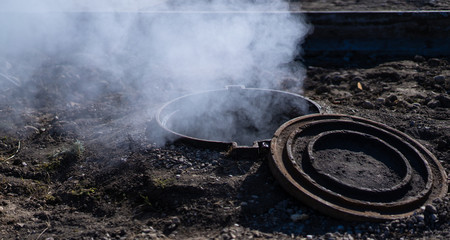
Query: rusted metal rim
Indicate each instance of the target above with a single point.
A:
(381, 200)
(396, 177)
(204, 126)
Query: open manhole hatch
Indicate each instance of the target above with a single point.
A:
(344, 166)
(353, 168)
(237, 118)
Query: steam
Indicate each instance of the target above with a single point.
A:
(159, 50)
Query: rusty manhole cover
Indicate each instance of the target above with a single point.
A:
(353, 168)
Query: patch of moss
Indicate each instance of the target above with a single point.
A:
(163, 182)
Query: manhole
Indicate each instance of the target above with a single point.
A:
(344, 166)
(353, 168)
(235, 117)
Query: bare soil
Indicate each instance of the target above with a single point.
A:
(78, 168)
(368, 5)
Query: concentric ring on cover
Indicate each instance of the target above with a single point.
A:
(393, 172)
(354, 168)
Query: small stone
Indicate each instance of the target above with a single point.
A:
(348, 237)
(147, 230)
(329, 236)
(309, 237)
(367, 105)
(380, 100)
(299, 217)
(444, 100)
(20, 225)
(404, 104)
(387, 88)
(176, 220)
(256, 233)
(172, 227)
(430, 208)
(418, 95)
(391, 100)
(434, 217)
(433, 103)
(153, 236)
(439, 79)
(420, 218)
(419, 58)
(434, 62)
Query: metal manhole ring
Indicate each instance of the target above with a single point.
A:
(401, 204)
(386, 200)
(235, 117)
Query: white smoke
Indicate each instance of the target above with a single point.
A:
(162, 49)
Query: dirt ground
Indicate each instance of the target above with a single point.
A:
(77, 167)
(59, 180)
(367, 5)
